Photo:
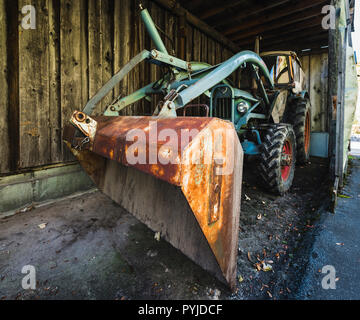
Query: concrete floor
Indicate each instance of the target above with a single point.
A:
(337, 244)
(91, 248)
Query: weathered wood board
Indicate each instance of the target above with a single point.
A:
(4, 98)
(316, 70)
(76, 47)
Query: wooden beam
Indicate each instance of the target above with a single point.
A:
(245, 13)
(212, 11)
(274, 15)
(309, 35)
(193, 4)
(279, 33)
(315, 42)
(196, 22)
(312, 51)
(298, 17)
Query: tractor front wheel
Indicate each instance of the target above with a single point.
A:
(278, 158)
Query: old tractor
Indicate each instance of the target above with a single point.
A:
(182, 175)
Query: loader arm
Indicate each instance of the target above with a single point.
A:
(181, 176)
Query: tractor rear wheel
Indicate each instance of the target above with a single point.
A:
(278, 157)
(300, 117)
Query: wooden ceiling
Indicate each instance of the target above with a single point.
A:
(282, 24)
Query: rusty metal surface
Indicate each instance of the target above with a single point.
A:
(214, 198)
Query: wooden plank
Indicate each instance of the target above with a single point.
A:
(71, 72)
(211, 51)
(34, 89)
(134, 74)
(4, 102)
(197, 45)
(54, 82)
(12, 44)
(144, 107)
(170, 33)
(324, 92)
(107, 54)
(316, 92)
(218, 57)
(204, 48)
(94, 49)
(122, 44)
(189, 43)
(84, 52)
(117, 42)
(305, 63)
(154, 70)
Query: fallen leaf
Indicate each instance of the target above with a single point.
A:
(42, 226)
(264, 286)
(157, 236)
(264, 252)
(241, 279)
(344, 196)
(249, 257)
(266, 267)
(26, 209)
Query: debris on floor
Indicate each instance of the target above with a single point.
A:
(91, 248)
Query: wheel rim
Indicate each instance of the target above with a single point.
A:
(307, 132)
(286, 161)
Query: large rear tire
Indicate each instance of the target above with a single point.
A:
(278, 158)
(300, 117)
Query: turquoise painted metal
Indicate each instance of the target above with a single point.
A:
(151, 29)
(212, 199)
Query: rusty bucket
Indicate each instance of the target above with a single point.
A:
(180, 176)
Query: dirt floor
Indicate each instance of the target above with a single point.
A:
(90, 248)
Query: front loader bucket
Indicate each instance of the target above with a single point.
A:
(180, 176)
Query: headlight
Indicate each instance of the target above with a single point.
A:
(242, 107)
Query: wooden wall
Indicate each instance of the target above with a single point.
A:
(315, 67)
(77, 45)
